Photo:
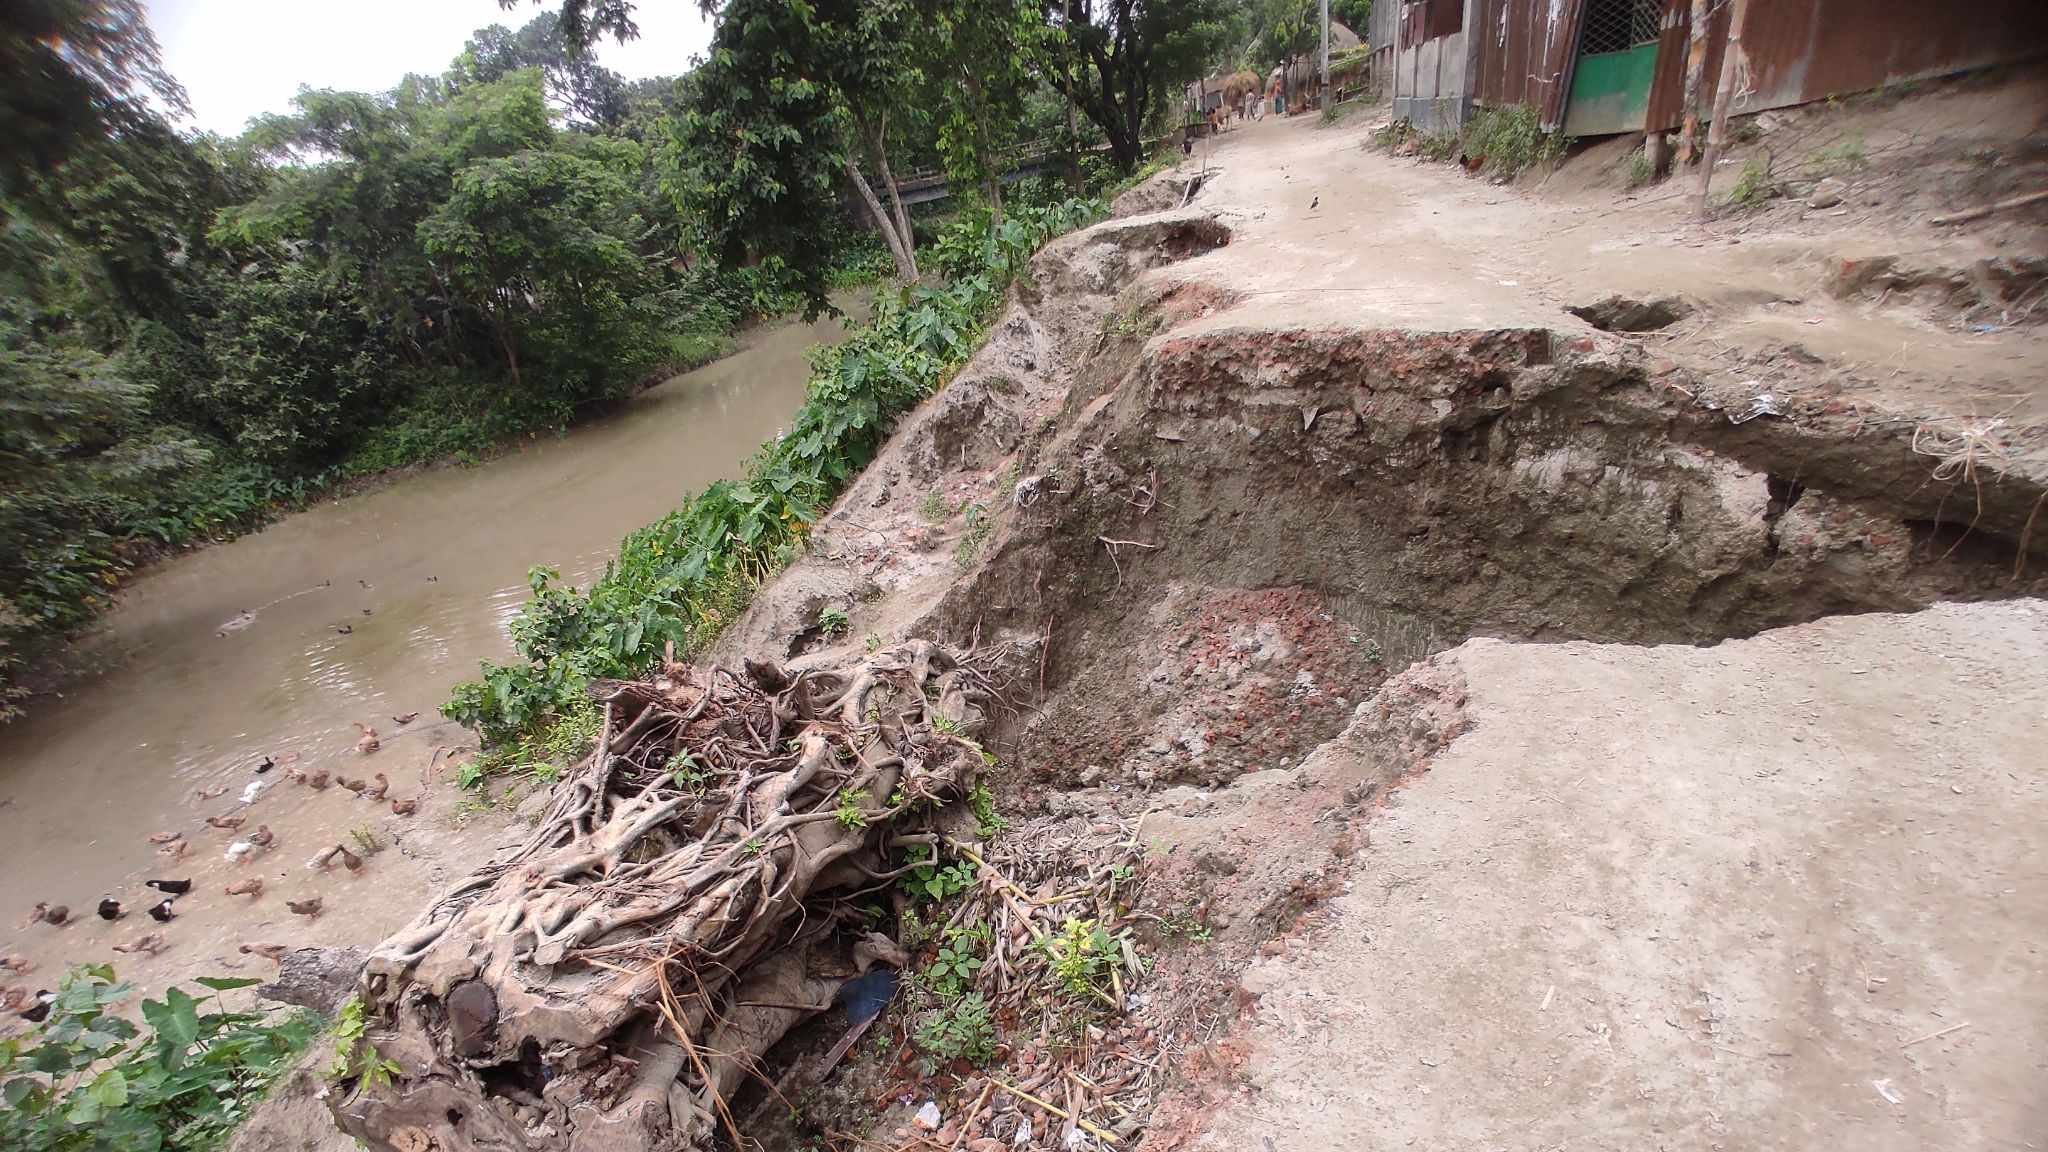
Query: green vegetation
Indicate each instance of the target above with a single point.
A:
(1510, 140)
(198, 333)
(1083, 956)
(961, 1029)
(1753, 185)
(1844, 155)
(87, 1080)
(354, 1056)
(683, 578)
(1640, 170)
(833, 622)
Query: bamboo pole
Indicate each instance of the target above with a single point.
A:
(1695, 75)
(1723, 96)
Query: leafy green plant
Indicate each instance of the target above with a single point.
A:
(1844, 155)
(979, 525)
(961, 1029)
(852, 809)
(1753, 185)
(833, 621)
(1082, 956)
(1640, 170)
(1510, 140)
(86, 1080)
(932, 509)
(952, 970)
(982, 803)
(354, 1055)
(933, 882)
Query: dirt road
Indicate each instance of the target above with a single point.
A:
(1784, 892)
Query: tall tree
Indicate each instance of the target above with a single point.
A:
(1122, 60)
(77, 71)
(796, 98)
(573, 79)
(976, 65)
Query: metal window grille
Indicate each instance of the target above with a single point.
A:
(1618, 25)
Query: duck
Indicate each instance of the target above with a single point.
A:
(308, 908)
(262, 836)
(380, 784)
(252, 790)
(226, 823)
(14, 998)
(110, 909)
(318, 781)
(161, 911)
(366, 611)
(169, 887)
(48, 914)
(349, 860)
(150, 944)
(253, 886)
(166, 837)
(266, 766)
(272, 952)
(202, 795)
(405, 719)
(16, 963)
(355, 786)
(344, 630)
(40, 1010)
(405, 807)
(174, 849)
(368, 742)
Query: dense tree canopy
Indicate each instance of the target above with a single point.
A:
(197, 330)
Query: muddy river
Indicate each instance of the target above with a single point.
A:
(276, 645)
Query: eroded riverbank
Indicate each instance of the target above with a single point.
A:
(355, 611)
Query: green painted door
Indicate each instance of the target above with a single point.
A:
(1617, 61)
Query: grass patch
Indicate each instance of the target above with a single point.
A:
(1753, 185)
(1640, 170)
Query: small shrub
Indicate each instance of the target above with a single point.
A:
(1511, 140)
(1640, 170)
(1753, 185)
(932, 509)
(87, 1079)
(983, 805)
(852, 809)
(1083, 956)
(833, 621)
(979, 525)
(962, 1029)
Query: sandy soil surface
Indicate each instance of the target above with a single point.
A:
(1778, 893)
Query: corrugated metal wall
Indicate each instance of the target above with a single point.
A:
(1796, 50)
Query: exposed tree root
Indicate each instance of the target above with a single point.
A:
(615, 979)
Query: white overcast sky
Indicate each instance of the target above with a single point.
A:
(242, 58)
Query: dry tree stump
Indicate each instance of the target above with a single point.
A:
(685, 901)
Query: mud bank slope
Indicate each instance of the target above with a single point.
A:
(1233, 554)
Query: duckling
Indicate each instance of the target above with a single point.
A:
(318, 781)
(150, 944)
(376, 790)
(16, 963)
(54, 914)
(252, 790)
(296, 775)
(174, 849)
(166, 837)
(344, 630)
(349, 860)
(408, 718)
(355, 786)
(262, 836)
(202, 795)
(252, 887)
(307, 908)
(169, 887)
(272, 952)
(368, 742)
(405, 807)
(110, 909)
(161, 912)
(40, 1011)
(226, 823)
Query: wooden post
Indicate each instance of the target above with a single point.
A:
(1695, 75)
(1326, 55)
(1723, 96)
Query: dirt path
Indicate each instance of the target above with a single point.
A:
(1327, 231)
(1779, 893)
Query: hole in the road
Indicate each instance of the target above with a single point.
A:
(1619, 313)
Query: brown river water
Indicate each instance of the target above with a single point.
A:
(234, 653)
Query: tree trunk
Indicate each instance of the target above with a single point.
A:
(1073, 147)
(906, 267)
(904, 234)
